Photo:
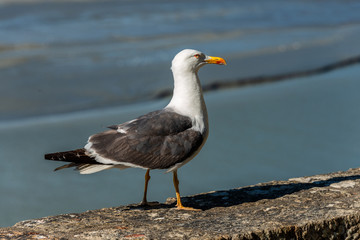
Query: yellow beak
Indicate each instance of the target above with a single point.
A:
(215, 60)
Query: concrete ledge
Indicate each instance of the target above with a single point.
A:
(318, 207)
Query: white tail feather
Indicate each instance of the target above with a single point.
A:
(93, 168)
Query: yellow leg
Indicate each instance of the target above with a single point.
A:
(147, 178)
(178, 200)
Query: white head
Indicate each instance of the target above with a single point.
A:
(192, 60)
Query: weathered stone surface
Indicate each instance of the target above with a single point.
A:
(318, 207)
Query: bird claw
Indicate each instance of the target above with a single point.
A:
(187, 208)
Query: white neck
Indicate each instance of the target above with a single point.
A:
(188, 99)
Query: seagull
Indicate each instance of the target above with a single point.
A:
(162, 139)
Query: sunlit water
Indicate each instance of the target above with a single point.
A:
(61, 56)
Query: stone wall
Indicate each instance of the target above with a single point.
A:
(317, 207)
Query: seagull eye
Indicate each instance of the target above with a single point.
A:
(197, 56)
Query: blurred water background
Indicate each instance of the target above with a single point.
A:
(68, 69)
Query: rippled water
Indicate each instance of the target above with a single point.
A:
(60, 56)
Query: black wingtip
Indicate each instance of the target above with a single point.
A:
(48, 156)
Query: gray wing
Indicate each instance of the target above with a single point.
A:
(157, 140)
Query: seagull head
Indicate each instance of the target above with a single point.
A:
(192, 60)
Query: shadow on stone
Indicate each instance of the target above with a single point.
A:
(151, 206)
(255, 193)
